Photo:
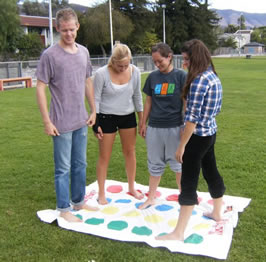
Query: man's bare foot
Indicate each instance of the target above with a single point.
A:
(170, 236)
(102, 200)
(86, 207)
(215, 217)
(147, 203)
(135, 193)
(69, 217)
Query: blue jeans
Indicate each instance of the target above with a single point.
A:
(70, 157)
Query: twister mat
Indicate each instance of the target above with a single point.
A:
(122, 220)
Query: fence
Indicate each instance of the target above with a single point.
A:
(28, 68)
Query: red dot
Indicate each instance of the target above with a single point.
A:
(132, 195)
(157, 194)
(173, 197)
(199, 199)
(114, 189)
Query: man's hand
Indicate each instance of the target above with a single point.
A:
(51, 130)
(91, 120)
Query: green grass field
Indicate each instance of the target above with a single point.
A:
(27, 183)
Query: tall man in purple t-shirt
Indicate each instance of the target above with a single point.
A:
(66, 68)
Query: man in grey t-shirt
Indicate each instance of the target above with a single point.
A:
(66, 68)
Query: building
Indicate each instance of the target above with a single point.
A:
(254, 48)
(40, 25)
(242, 37)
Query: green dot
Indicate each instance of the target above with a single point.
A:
(94, 221)
(143, 231)
(117, 225)
(194, 239)
(79, 216)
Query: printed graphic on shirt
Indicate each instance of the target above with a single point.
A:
(164, 89)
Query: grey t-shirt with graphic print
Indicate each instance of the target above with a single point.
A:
(66, 75)
(165, 91)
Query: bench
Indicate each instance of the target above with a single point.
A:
(27, 79)
(248, 56)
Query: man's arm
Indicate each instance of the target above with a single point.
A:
(89, 92)
(49, 127)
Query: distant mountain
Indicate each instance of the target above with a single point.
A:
(230, 17)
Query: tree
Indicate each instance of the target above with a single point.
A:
(95, 27)
(229, 42)
(29, 46)
(241, 21)
(231, 29)
(141, 14)
(9, 22)
(36, 8)
(259, 35)
(187, 19)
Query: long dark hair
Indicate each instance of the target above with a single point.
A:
(199, 60)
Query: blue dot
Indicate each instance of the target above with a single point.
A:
(124, 201)
(109, 200)
(163, 207)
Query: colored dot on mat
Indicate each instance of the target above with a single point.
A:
(163, 207)
(173, 197)
(132, 194)
(211, 202)
(114, 189)
(117, 225)
(162, 234)
(199, 199)
(124, 201)
(79, 216)
(94, 221)
(140, 203)
(153, 219)
(157, 194)
(142, 231)
(110, 210)
(201, 226)
(132, 214)
(109, 200)
(194, 239)
(172, 222)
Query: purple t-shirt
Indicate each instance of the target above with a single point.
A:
(66, 76)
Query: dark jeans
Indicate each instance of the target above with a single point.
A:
(199, 153)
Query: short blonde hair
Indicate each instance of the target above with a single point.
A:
(120, 52)
(65, 14)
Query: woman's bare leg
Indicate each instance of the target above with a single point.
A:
(105, 151)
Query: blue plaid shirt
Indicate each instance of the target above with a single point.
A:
(204, 102)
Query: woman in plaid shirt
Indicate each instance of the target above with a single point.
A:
(203, 95)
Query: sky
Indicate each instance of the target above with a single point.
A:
(249, 6)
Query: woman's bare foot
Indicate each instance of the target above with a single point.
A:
(170, 236)
(86, 207)
(216, 217)
(102, 200)
(138, 195)
(69, 217)
(147, 203)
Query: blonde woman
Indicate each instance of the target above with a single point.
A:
(117, 98)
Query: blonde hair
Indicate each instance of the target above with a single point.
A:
(65, 14)
(120, 52)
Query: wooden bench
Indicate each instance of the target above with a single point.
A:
(27, 79)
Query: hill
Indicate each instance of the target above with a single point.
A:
(230, 17)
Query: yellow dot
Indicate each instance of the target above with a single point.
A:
(132, 214)
(110, 210)
(172, 222)
(201, 226)
(153, 219)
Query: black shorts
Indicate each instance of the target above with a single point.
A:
(111, 123)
